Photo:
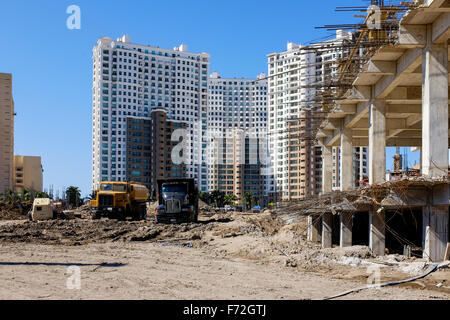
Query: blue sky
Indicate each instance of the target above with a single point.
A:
(52, 65)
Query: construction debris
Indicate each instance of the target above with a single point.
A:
(431, 269)
(14, 211)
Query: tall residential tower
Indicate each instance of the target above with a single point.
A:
(296, 77)
(237, 118)
(129, 80)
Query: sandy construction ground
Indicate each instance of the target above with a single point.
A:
(230, 256)
(150, 271)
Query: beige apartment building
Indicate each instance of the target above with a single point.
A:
(238, 167)
(6, 132)
(28, 173)
(229, 157)
(304, 159)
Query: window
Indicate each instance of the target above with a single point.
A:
(113, 187)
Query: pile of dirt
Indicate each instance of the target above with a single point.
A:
(207, 210)
(268, 224)
(14, 211)
(84, 211)
(84, 231)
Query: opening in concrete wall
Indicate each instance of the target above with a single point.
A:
(336, 232)
(404, 228)
(360, 230)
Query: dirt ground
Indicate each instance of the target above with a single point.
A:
(224, 256)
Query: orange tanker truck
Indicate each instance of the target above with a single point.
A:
(119, 200)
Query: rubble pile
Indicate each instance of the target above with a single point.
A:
(391, 194)
(14, 211)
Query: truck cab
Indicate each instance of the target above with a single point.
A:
(178, 201)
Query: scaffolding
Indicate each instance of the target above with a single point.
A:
(379, 28)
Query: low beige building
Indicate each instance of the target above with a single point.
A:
(28, 173)
(6, 132)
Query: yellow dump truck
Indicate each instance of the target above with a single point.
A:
(120, 200)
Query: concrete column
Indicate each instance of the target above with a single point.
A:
(435, 145)
(327, 229)
(346, 164)
(377, 142)
(346, 229)
(314, 228)
(327, 169)
(435, 224)
(377, 238)
(434, 108)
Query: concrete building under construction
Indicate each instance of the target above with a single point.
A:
(297, 77)
(400, 98)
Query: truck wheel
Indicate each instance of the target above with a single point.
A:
(95, 216)
(121, 216)
(143, 212)
(140, 213)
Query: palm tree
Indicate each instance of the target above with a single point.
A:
(248, 199)
(205, 197)
(218, 198)
(25, 195)
(73, 195)
(10, 196)
(230, 199)
(41, 195)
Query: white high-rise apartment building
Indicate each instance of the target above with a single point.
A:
(295, 76)
(290, 74)
(236, 103)
(129, 80)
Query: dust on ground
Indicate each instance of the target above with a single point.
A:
(253, 255)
